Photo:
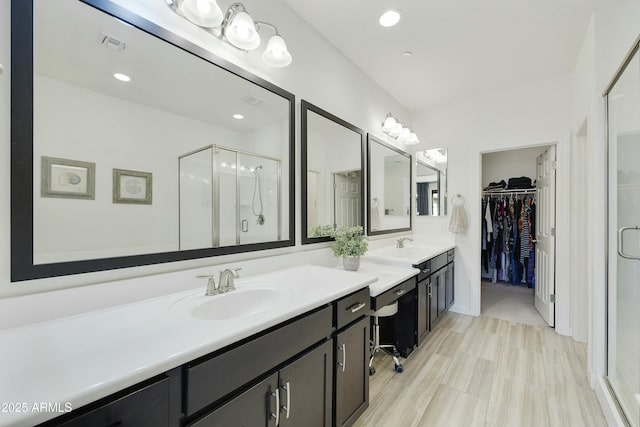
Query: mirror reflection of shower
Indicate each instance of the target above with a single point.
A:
(257, 190)
(221, 191)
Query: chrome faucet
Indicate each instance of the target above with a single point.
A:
(226, 281)
(400, 242)
(212, 289)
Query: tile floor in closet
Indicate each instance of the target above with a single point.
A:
(487, 372)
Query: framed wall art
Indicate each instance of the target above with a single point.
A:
(132, 187)
(67, 179)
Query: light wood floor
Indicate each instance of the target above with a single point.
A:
(486, 372)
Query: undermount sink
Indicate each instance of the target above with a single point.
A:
(242, 302)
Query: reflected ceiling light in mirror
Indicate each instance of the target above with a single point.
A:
(122, 77)
(396, 130)
(389, 18)
(235, 26)
(238, 116)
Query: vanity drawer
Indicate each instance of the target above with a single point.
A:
(451, 255)
(210, 380)
(393, 294)
(352, 307)
(438, 262)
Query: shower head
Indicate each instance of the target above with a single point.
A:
(258, 167)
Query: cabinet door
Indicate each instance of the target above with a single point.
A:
(423, 311)
(306, 389)
(352, 372)
(442, 298)
(255, 407)
(148, 406)
(450, 289)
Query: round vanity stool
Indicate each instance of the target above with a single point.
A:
(390, 349)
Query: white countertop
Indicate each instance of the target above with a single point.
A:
(83, 358)
(409, 255)
(388, 275)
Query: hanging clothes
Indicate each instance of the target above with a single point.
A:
(508, 230)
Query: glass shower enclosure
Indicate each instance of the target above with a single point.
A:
(623, 346)
(228, 197)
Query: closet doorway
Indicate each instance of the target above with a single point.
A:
(518, 235)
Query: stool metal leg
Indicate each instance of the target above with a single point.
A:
(390, 349)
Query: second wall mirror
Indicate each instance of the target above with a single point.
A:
(332, 174)
(431, 182)
(389, 184)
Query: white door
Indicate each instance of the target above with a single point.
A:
(347, 199)
(545, 235)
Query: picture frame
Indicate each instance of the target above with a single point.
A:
(67, 179)
(132, 187)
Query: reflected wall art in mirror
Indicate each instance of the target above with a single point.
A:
(213, 144)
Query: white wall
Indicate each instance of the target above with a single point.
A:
(503, 165)
(611, 34)
(319, 73)
(533, 115)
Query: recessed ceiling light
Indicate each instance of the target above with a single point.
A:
(238, 116)
(389, 18)
(122, 77)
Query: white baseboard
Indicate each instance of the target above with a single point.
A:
(609, 407)
(460, 309)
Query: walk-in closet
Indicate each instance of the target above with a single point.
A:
(517, 215)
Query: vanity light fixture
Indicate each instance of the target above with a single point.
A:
(396, 130)
(389, 18)
(235, 26)
(122, 77)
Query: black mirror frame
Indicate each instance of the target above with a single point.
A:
(304, 107)
(371, 140)
(438, 186)
(22, 265)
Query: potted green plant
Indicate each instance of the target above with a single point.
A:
(350, 244)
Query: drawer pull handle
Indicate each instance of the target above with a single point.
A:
(357, 307)
(276, 416)
(343, 349)
(426, 270)
(401, 292)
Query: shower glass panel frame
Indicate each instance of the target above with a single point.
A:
(224, 217)
(623, 265)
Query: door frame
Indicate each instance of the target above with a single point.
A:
(562, 288)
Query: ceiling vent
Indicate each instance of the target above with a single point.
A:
(111, 42)
(252, 100)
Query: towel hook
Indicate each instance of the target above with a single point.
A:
(457, 197)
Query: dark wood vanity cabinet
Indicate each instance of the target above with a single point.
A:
(435, 292)
(312, 371)
(299, 394)
(351, 372)
(148, 404)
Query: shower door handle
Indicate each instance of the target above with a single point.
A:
(245, 226)
(621, 242)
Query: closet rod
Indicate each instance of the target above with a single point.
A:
(523, 191)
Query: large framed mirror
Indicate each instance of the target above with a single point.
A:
(332, 174)
(132, 146)
(389, 200)
(431, 182)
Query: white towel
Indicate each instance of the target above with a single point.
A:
(375, 218)
(458, 220)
